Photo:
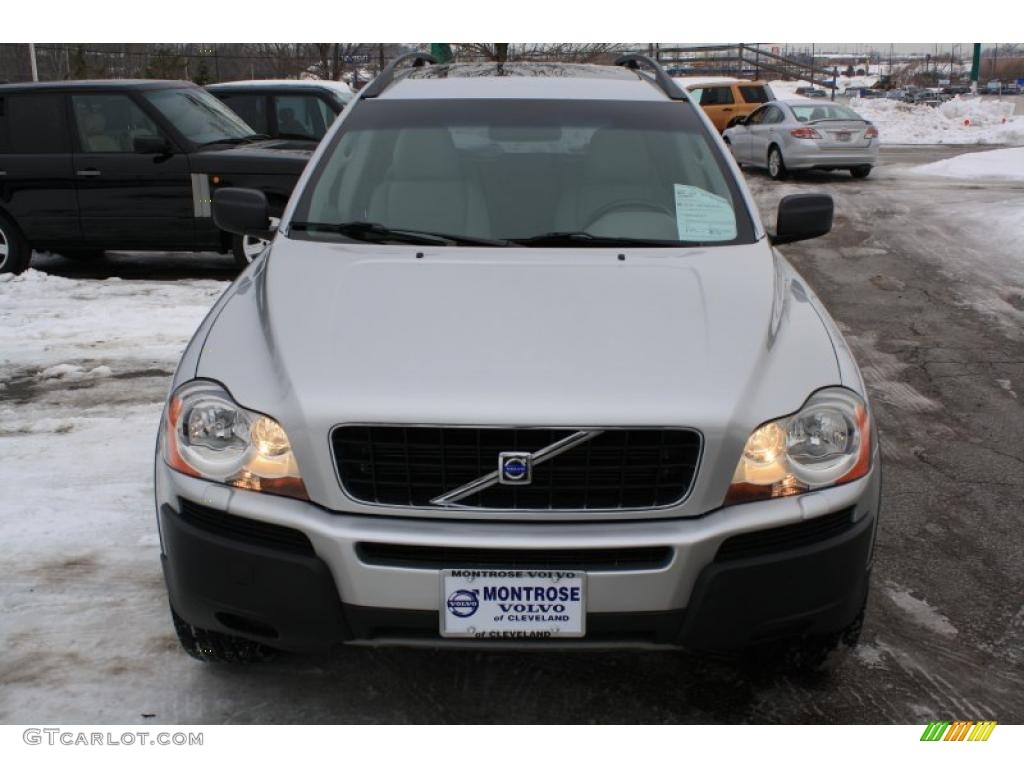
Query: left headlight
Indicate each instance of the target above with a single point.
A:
(827, 442)
(207, 434)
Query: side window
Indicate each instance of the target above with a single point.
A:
(326, 113)
(716, 95)
(773, 115)
(251, 107)
(300, 117)
(758, 117)
(110, 122)
(33, 124)
(754, 94)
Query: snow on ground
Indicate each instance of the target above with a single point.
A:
(920, 612)
(994, 164)
(786, 89)
(48, 321)
(959, 121)
(84, 369)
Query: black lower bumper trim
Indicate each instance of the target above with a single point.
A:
(289, 600)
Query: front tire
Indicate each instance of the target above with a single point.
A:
(776, 165)
(15, 250)
(860, 172)
(216, 647)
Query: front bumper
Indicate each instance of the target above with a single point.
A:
(793, 566)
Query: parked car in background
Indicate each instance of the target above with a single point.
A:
(354, 452)
(798, 134)
(300, 110)
(126, 165)
(725, 100)
(956, 90)
(811, 92)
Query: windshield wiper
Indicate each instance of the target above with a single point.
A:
(368, 230)
(586, 239)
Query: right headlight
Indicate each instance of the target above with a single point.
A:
(207, 434)
(827, 442)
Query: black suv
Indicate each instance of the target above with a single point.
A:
(127, 165)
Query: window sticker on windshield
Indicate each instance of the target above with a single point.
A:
(703, 216)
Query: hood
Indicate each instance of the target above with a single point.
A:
(273, 156)
(362, 333)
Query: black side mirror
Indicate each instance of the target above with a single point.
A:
(151, 145)
(802, 217)
(242, 212)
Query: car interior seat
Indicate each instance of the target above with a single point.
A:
(427, 188)
(95, 137)
(617, 167)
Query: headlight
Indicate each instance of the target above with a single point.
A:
(827, 442)
(207, 434)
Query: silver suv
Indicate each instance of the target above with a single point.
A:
(520, 367)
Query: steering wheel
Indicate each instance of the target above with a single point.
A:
(635, 204)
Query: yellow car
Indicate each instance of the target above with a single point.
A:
(725, 99)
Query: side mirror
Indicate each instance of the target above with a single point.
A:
(242, 212)
(151, 145)
(802, 217)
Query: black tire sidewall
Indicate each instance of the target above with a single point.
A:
(19, 253)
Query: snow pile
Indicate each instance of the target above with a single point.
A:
(994, 164)
(959, 121)
(47, 321)
(786, 89)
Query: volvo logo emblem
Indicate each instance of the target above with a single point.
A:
(515, 468)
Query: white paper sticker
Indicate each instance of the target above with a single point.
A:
(702, 216)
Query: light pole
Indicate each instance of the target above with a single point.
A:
(32, 61)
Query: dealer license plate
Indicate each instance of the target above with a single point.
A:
(513, 605)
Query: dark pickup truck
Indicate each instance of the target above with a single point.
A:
(127, 165)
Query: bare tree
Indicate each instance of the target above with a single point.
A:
(501, 52)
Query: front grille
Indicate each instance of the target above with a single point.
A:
(774, 540)
(618, 469)
(592, 560)
(245, 529)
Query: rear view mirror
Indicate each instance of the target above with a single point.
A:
(151, 145)
(802, 217)
(242, 212)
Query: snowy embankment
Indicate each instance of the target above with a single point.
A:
(994, 164)
(960, 121)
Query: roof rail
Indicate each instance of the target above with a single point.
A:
(376, 86)
(661, 78)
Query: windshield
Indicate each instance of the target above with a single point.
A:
(810, 112)
(199, 116)
(518, 171)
